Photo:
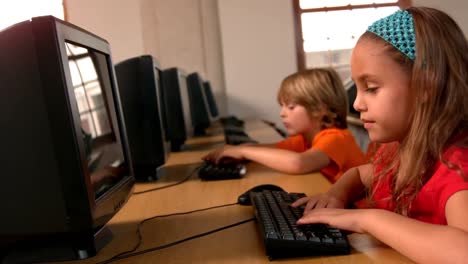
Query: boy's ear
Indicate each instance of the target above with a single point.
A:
(316, 114)
(320, 114)
(321, 111)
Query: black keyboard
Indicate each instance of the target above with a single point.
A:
(232, 121)
(234, 130)
(221, 171)
(283, 238)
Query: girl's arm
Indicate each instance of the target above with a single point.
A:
(419, 241)
(278, 159)
(348, 189)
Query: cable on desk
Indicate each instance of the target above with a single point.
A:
(175, 242)
(140, 238)
(277, 129)
(170, 185)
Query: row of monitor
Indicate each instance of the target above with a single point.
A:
(75, 135)
(161, 108)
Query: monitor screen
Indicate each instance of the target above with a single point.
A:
(104, 154)
(64, 141)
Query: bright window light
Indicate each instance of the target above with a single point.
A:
(14, 11)
(338, 29)
(305, 4)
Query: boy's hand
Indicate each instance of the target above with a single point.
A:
(228, 151)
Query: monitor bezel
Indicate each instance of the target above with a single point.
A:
(211, 100)
(198, 118)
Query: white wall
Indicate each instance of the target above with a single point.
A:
(117, 21)
(457, 9)
(188, 36)
(258, 52)
(214, 67)
(178, 33)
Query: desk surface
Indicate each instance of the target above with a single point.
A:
(240, 244)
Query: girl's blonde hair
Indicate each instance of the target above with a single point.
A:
(317, 89)
(439, 90)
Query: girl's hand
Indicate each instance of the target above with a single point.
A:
(324, 200)
(346, 219)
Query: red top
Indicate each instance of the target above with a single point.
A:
(338, 144)
(429, 205)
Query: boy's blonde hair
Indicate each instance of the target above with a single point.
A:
(317, 89)
(439, 92)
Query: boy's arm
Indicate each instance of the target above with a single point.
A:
(279, 159)
(266, 145)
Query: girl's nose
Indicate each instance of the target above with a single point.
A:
(359, 104)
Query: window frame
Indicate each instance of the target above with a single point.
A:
(91, 111)
(299, 40)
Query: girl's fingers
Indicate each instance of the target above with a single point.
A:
(311, 204)
(300, 201)
(321, 204)
(309, 218)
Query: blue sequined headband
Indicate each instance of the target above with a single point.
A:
(398, 30)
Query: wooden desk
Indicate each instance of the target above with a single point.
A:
(240, 244)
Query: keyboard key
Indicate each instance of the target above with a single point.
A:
(221, 171)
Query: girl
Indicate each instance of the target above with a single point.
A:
(313, 110)
(412, 79)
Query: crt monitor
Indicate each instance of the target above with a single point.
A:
(66, 168)
(140, 93)
(198, 104)
(213, 107)
(175, 93)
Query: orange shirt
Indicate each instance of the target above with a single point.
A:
(338, 144)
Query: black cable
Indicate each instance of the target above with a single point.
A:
(176, 242)
(140, 238)
(277, 129)
(170, 185)
(281, 132)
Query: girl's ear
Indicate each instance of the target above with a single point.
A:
(425, 96)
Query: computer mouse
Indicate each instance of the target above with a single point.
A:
(244, 199)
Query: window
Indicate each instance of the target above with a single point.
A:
(12, 12)
(88, 93)
(327, 30)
